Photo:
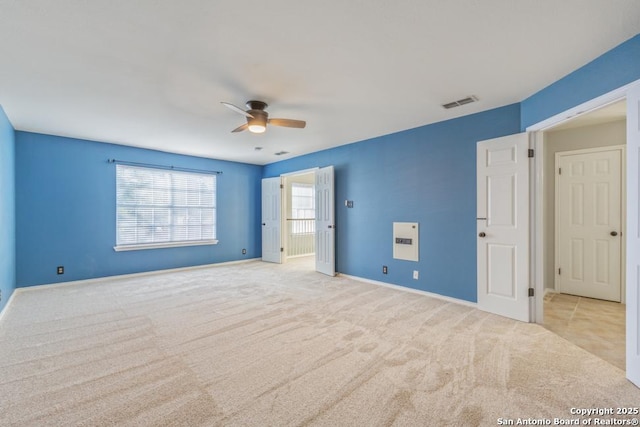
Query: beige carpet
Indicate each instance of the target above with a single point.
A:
(265, 345)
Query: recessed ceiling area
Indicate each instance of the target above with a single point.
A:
(153, 74)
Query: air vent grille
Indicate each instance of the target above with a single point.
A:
(458, 103)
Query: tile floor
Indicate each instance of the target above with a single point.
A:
(594, 325)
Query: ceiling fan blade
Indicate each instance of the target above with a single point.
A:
(241, 128)
(236, 109)
(288, 123)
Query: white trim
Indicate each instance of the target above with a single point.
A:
(586, 107)
(302, 172)
(411, 290)
(6, 306)
(533, 306)
(537, 225)
(537, 129)
(132, 275)
(141, 246)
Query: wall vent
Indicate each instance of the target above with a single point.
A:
(280, 153)
(458, 103)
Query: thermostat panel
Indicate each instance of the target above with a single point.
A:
(405, 241)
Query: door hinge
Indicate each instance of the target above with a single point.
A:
(559, 271)
(531, 152)
(531, 292)
(281, 186)
(559, 171)
(281, 249)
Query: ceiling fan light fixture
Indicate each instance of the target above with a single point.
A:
(257, 123)
(257, 118)
(257, 128)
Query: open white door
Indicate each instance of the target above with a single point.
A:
(325, 222)
(503, 226)
(271, 220)
(633, 235)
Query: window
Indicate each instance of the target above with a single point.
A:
(303, 207)
(164, 208)
(302, 201)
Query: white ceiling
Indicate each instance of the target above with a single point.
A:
(152, 73)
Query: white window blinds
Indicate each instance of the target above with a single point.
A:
(158, 208)
(302, 201)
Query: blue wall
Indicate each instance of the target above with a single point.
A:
(612, 70)
(7, 210)
(65, 206)
(65, 194)
(425, 175)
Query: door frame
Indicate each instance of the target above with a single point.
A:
(623, 211)
(283, 221)
(537, 201)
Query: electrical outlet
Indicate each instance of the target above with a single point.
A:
(415, 274)
(384, 269)
(60, 269)
(244, 252)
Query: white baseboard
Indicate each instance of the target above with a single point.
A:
(413, 291)
(132, 275)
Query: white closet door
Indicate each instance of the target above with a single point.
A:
(589, 202)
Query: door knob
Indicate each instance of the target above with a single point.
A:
(482, 234)
(614, 233)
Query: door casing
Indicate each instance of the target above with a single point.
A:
(631, 175)
(325, 268)
(537, 183)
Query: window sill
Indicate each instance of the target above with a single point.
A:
(163, 245)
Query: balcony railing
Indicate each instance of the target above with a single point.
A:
(301, 237)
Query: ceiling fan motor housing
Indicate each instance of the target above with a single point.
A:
(256, 105)
(259, 118)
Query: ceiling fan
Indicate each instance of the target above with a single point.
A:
(257, 118)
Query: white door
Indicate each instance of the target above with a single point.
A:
(633, 235)
(588, 228)
(271, 220)
(503, 226)
(325, 222)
